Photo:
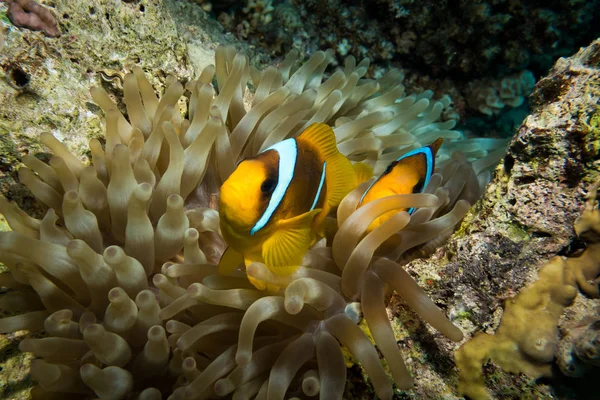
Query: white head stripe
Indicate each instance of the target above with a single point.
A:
(288, 152)
(314, 204)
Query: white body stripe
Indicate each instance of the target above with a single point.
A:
(314, 204)
(288, 152)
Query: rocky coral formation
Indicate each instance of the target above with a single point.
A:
(579, 351)
(489, 97)
(441, 46)
(527, 339)
(527, 215)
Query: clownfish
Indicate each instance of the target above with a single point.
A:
(408, 174)
(272, 207)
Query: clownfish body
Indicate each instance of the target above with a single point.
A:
(408, 174)
(273, 205)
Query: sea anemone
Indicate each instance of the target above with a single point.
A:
(121, 272)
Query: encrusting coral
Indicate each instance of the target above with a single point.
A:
(527, 339)
(121, 272)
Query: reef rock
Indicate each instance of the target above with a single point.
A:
(525, 218)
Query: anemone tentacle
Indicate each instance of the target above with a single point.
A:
(123, 265)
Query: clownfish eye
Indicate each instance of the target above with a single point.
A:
(268, 186)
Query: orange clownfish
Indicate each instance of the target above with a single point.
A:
(408, 174)
(273, 205)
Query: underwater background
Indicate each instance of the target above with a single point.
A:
(526, 73)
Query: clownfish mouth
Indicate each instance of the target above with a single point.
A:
(233, 227)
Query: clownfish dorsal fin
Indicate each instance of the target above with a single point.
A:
(284, 250)
(341, 177)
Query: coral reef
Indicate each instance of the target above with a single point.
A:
(527, 213)
(30, 15)
(476, 38)
(527, 339)
(443, 47)
(490, 97)
(524, 219)
(259, 12)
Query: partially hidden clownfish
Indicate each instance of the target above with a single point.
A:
(273, 206)
(408, 174)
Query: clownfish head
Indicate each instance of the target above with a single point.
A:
(245, 194)
(252, 193)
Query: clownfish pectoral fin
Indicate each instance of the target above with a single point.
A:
(230, 261)
(363, 172)
(341, 178)
(284, 250)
